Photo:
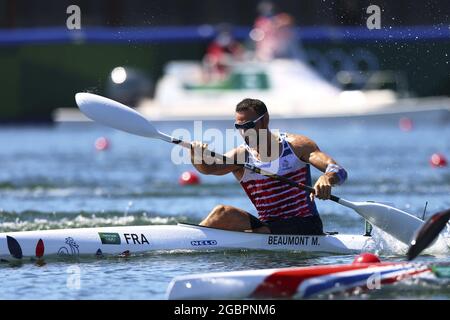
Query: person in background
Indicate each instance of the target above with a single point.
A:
(274, 34)
(221, 54)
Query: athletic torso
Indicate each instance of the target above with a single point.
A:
(273, 199)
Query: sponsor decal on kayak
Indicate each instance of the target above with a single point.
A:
(14, 247)
(40, 249)
(293, 241)
(109, 237)
(133, 238)
(72, 248)
(197, 243)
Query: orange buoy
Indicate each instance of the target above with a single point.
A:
(405, 124)
(367, 257)
(438, 160)
(189, 178)
(101, 144)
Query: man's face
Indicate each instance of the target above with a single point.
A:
(253, 135)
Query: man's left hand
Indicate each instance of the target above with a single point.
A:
(322, 188)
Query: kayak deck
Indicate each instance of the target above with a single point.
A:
(128, 240)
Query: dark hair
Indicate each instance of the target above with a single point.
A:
(252, 104)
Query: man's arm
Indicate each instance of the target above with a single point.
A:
(208, 165)
(308, 151)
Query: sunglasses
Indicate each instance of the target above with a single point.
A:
(249, 124)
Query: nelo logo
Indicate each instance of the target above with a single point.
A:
(204, 243)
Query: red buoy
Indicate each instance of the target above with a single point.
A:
(405, 124)
(189, 178)
(101, 144)
(367, 257)
(438, 160)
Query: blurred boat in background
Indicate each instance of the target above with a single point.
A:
(291, 88)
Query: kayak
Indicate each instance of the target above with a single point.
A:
(128, 240)
(399, 224)
(366, 272)
(298, 283)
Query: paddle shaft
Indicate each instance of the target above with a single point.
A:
(255, 169)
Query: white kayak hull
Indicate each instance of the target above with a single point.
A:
(141, 239)
(287, 283)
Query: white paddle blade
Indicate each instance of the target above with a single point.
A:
(116, 115)
(399, 224)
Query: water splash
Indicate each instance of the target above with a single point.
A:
(387, 245)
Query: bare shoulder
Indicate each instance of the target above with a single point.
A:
(301, 142)
(302, 146)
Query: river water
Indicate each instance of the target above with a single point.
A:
(52, 177)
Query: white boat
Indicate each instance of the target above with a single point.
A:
(290, 88)
(128, 240)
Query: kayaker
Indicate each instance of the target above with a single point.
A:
(282, 209)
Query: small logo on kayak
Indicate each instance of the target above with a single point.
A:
(40, 249)
(14, 247)
(197, 243)
(72, 248)
(109, 238)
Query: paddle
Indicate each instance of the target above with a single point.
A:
(395, 222)
(428, 233)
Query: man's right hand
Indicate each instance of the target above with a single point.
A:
(207, 164)
(197, 152)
